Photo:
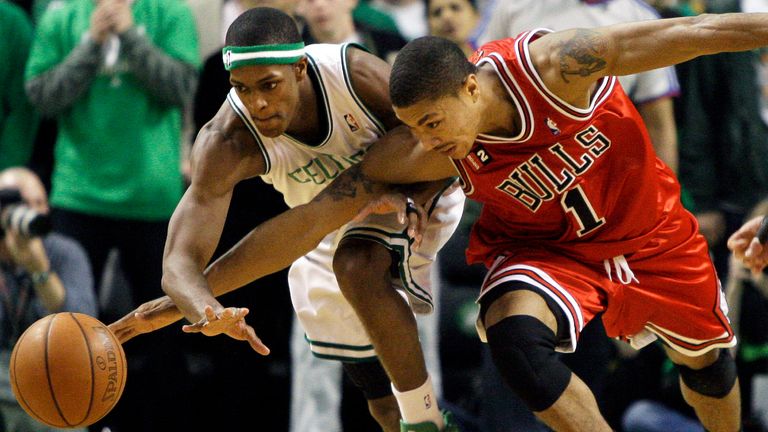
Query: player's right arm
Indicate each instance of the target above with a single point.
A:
(222, 156)
(395, 158)
(275, 244)
(571, 61)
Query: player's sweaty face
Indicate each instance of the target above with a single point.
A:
(271, 94)
(444, 125)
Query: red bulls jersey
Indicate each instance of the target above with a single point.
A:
(582, 181)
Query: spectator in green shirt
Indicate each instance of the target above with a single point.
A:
(18, 120)
(116, 74)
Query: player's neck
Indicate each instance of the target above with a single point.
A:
(305, 124)
(498, 110)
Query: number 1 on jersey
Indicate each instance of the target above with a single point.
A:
(575, 202)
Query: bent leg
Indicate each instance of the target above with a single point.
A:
(521, 332)
(709, 384)
(362, 270)
(373, 381)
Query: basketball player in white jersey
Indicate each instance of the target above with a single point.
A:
(299, 117)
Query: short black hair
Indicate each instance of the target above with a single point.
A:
(262, 26)
(428, 68)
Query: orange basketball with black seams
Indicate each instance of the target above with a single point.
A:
(68, 370)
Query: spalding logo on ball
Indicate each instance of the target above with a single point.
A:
(68, 370)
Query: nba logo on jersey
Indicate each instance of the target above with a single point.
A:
(552, 127)
(351, 122)
(479, 158)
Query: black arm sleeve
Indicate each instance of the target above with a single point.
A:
(55, 90)
(171, 81)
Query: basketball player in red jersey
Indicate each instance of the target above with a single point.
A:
(580, 216)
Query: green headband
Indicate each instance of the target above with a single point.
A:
(238, 56)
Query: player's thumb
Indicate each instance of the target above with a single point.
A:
(753, 249)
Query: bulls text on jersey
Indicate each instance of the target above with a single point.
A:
(534, 182)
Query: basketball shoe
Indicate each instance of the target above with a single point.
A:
(428, 426)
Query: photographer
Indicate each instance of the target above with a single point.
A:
(39, 275)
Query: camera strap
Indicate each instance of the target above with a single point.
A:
(15, 306)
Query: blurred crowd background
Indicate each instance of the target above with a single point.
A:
(95, 130)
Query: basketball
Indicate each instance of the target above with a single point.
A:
(67, 370)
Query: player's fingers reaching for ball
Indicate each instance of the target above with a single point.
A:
(131, 325)
(249, 334)
(123, 334)
(197, 327)
(214, 324)
(210, 315)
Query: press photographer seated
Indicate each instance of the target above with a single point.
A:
(40, 273)
(17, 216)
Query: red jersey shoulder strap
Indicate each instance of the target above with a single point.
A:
(603, 90)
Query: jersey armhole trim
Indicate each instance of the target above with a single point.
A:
(348, 81)
(603, 90)
(527, 125)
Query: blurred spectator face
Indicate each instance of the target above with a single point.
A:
(325, 17)
(29, 186)
(452, 19)
(271, 94)
(287, 6)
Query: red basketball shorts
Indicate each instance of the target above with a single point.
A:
(667, 289)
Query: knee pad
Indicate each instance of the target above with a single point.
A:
(715, 380)
(370, 378)
(523, 349)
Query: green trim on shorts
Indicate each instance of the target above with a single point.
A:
(345, 359)
(339, 346)
(405, 277)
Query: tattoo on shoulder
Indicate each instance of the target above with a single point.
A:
(347, 184)
(582, 54)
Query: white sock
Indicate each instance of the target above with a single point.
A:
(419, 405)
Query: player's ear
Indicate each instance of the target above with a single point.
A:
(471, 87)
(300, 68)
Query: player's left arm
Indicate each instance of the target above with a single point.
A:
(571, 61)
(295, 232)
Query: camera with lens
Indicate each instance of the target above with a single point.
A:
(20, 218)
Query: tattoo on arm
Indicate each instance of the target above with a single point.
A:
(582, 54)
(347, 184)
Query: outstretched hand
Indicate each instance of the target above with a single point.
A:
(148, 317)
(408, 212)
(231, 322)
(747, 246)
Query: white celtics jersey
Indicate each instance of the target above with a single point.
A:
(301, 170)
